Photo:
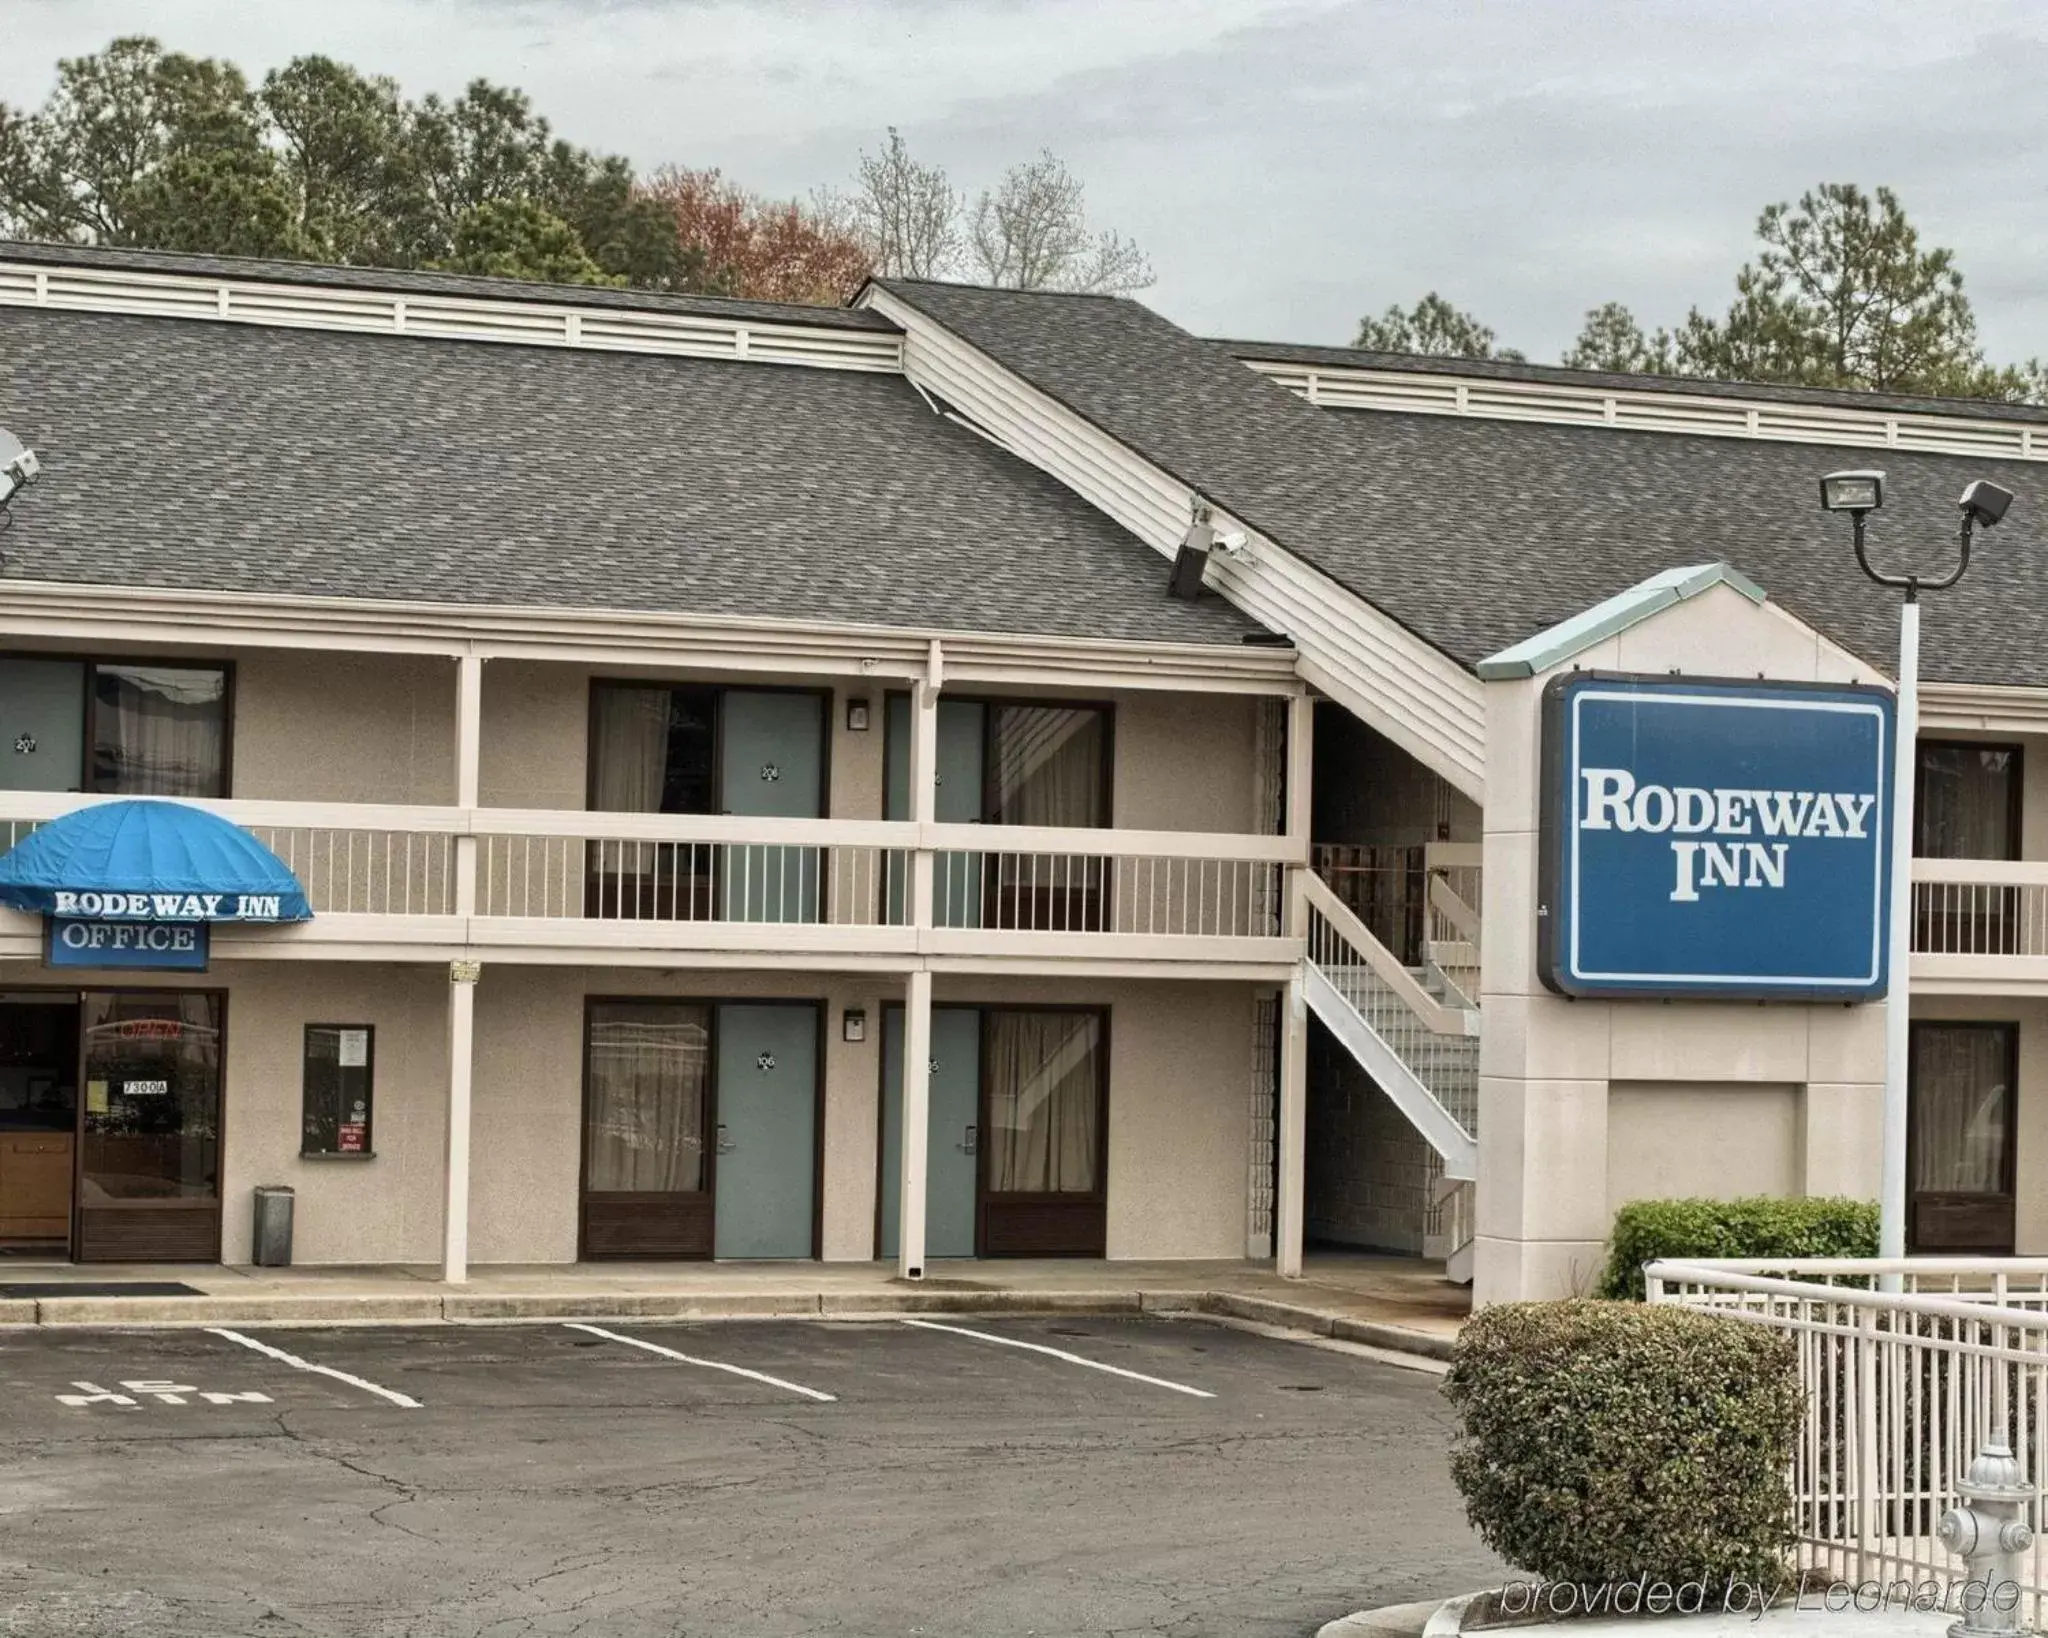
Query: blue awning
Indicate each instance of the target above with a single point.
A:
(149, 860)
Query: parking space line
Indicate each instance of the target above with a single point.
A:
(708, 1364)
(1061, 1353)
(402, 1400)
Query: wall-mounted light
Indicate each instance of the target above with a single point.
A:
(857, 716)
(853, 1024)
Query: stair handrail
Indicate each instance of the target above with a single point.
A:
(1386, 966)
(1447, 902)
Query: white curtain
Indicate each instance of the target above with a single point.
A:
(159, 730)
(1048, 766)
(1044, 1101)
(650, 1067)
(1961, 1108)
(630, 756)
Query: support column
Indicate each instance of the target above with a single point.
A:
(462, 979)
(917, 1120)
(1301, 766)
(1293, 1135)
(469, 708)
(917, 1000)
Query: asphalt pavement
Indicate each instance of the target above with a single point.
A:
(729, 1479)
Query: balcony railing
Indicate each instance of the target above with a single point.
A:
(1980, 907)
(502, 876)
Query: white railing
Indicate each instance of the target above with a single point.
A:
(1902, 1389)
(1980, 907)
(1422, 1053)
(1452, 928)
(1207, 892)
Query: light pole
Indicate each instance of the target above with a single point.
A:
(1982, 505)
(18, 466)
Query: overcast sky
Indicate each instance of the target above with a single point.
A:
(1288, 164)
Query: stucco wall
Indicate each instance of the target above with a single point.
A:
(341, 727)
(1667, 1139)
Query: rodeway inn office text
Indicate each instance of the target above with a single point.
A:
(695, 779)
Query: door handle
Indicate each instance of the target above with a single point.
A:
(725, 1144)
(966, 1147)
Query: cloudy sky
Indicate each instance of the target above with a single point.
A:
(1288, 164)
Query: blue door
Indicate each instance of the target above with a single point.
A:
(765, 1177)
(771, 763)
(951, 1163)
(957, 800)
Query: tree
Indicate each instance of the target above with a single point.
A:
(906, 214)
(738, 244)
(346, 149)
(134, 139)
(1030, 232)
(518, 239)
(1432, 328)
(1612, 340)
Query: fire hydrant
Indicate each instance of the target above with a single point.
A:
(1989, 1532)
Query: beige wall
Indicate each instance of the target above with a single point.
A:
(1179, 1114)
(1552, 1136)
(340, 727)
(1669, 1138)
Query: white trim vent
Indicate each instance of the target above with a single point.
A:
(1556, 404)
(448, 318)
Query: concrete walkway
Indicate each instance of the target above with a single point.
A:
(1387, 1302)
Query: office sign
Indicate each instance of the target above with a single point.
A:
(1707, 837)
(166, 946)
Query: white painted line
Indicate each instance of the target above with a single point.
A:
(1061, 1353)
(299, 1364)
(708, 1364)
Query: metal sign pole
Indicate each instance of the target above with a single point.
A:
(1898, 1001)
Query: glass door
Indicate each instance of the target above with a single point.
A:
(149, 1129)
(1960, 1137)
(646, 1108)
(38, 1121)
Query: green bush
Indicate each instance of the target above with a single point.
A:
(1604, 1441)
(1759, 1226)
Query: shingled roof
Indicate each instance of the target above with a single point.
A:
(182, 453)
(1475, 533)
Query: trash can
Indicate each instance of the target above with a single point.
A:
(273, 1227)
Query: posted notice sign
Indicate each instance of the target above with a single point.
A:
(1707, 837)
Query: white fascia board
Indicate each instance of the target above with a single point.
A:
(1375, 668)
(1986, 708)
(69, 612)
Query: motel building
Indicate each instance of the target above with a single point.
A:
(560, 775)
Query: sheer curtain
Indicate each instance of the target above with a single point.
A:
(1964, 810)
(629, 753)
(650, 1067)
(1961, 1108)
(1048, 766)
(159, 730)
(1044, 1101)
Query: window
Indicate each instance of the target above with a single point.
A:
(1045, 1071)
(340, 1063)
(1960, 1136)
(1968, 801)
(152, 1096)
(649, 1075)
(118, 727)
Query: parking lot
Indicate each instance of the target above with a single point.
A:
(945, 1476)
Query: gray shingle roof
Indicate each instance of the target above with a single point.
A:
(1360, 358)
(1474, 534)
(179, 453)
(436, 284)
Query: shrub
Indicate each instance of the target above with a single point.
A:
(1759, 1226)
(1605, 1441)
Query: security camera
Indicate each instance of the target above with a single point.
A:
(1985, 503)
(18, 466)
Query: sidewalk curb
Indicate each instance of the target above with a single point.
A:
(1392, 1621)
(316, 1308)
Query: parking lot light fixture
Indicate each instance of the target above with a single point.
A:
(1982, 505)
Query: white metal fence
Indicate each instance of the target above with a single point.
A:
(1903, 1389)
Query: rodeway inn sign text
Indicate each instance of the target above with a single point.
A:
(1714, 838)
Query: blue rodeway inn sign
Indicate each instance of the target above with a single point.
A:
(1704, 837)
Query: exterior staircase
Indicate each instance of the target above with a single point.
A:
(1413, 1030)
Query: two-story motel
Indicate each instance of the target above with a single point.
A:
(707, 733)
